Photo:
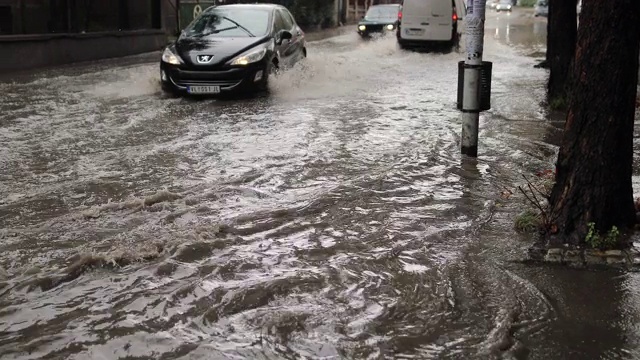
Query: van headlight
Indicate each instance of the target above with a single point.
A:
(362, 28)
(170, 58)
(254, 55)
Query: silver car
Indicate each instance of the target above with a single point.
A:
(541, 8)
(504, 5)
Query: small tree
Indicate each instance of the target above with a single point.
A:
(593, 182)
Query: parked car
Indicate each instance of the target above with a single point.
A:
(232, 48)
(504, 5)
(379, 19)
(541, 8)
(434, 21)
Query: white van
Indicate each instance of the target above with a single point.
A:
(430, 21)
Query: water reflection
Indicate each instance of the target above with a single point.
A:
(518, 30)
(594, 314)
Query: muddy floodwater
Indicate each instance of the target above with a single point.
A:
(332, 219)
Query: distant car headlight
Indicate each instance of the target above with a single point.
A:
(252, 56)
(390, 27)
(362, 28)
(170, 58)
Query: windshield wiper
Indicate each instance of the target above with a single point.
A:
(215, 31)
(240, 26)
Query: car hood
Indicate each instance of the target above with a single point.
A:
(222, 49)
(380, 21)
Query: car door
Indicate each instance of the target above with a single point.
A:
(283, 47)
(415, 20)
(296, 46)
(427, 20)
(441, 19)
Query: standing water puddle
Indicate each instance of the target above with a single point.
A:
(334, 218)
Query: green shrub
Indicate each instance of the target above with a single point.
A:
(527, 3)
(597, 241)
(528, 222)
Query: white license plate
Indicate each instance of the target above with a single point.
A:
(413, 31)
(203, 89)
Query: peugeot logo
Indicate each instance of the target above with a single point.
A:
(204, 59)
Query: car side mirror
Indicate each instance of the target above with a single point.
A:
(284, 35)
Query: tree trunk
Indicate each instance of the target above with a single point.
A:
(593, 181)
(561, 46)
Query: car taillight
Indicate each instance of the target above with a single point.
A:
(399, 15)
(455, 15)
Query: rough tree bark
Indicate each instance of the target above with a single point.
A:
(593, 181)
(561, 47)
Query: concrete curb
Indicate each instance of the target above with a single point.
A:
(586, 258)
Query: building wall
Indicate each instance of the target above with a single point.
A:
(77, 16)
(33, 51)
(170, 16)
(39, 33)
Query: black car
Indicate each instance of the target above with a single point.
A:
(232, 48)
(379, 19)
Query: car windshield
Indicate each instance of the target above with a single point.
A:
(231, 22)
(382, 12)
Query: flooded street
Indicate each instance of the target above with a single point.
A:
(332, 219)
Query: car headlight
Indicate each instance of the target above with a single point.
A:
(170, 58)
(362, 28)
(390, 27)
(254, 55)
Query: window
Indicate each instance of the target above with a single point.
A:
(6, 20)
(230, 23)
(278, 22)
(288, 20)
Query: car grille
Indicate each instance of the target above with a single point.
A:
(223, 77)
(375, 27)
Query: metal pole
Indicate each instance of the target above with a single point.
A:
(474, 21)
